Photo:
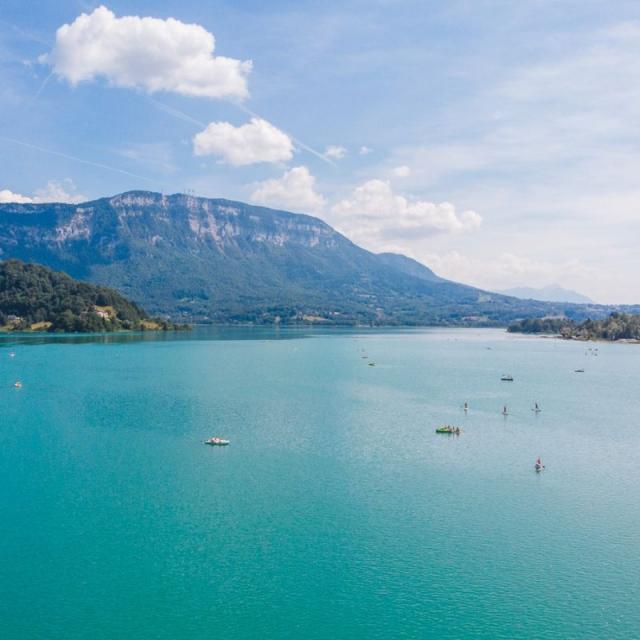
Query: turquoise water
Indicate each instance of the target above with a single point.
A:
(336, 512)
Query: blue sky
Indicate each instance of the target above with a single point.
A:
(497, 142)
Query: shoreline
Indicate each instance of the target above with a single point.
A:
(186, 329)
(234, 325)
(557, 336)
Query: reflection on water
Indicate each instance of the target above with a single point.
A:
(337, 511)
(197, 333)
(212, 332)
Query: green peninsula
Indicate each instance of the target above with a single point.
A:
(617, 326)
(36, 298)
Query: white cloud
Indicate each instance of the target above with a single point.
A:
(550, 150)
(335, 151)
(145, 53)
(64, 191)
(402, 171)
(378, 218)
(507, 269)
(7, 195)
(365, 151)
(294, 190)
(257, 141)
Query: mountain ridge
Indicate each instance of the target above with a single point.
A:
(219, 260)
(550, 293)
(410, 266)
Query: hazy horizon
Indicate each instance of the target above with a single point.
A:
(495, 143)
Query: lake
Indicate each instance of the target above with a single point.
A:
(336, 511)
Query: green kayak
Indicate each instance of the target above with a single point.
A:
(450, 430)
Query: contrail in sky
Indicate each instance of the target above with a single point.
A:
(42, 86)
(34, 38)
(301, 144)
(176, 113)
(99, 165)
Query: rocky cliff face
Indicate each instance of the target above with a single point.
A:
(217, 223)
(154, 219)
(230, 261)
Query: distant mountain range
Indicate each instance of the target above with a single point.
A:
(550, 293)
(202, 259)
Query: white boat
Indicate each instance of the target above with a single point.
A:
(217, 442)
(507, 378)
(539, 466)
(17, 384)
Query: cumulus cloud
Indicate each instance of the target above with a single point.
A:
(6, 195)
(295, 190)
(335, 152)
(256, 141)
(377, 217)
(365, 151)
(145, 53)
(54, 191)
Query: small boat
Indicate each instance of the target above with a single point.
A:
(372, 364)
(12, 354)
(539, 466)
(466, 407)
(217, 442)
(449, 429)
(507, 378)
(536, 408)
(578, 370)
(504, 411)
(365, 357)
(17, 384)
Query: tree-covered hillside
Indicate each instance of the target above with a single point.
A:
(213, 260)
(618, 326)
(33, 297)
